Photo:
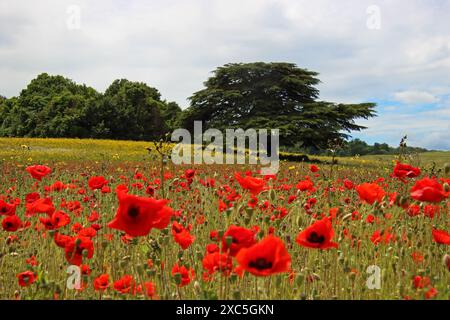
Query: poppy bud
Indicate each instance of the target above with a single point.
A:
(249, 211)
(228, 241)
(140, 269)
(447, 168)
(403, 201)
(446, 187)
(347, 216)
(273, 195)
(299, 279)
(278, 281)
(303, 296)
(197, 287)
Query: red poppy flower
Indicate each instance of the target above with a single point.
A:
(185, 274)
(57, 186)
(76, 246)
(7, 209)
(236, 238)
(348, 184)
(189, 173)
(96, 183)
(89, 232)
(32, 261)
(370, 192)
(254, 185)
(11, 223)
(61, 240)
(101, 283)
(314, 168)
(382, 237)
(403, 171)
(428, 190)
(417, 257)
(267, 257)
(126, 284)
(26, 278)
(150, 289)
(216, 261)
(431, 210)
(441, 236)
(32, 197)
(421, 282)
(318, 235)
(305, 185)
(182, 235)
(94, 216)
(431, 293)
(58, 220)
(212, 247)
(38, 171)
(137, 216)
(44, 205)
(150, 190)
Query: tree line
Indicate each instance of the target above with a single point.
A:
(238, 95)
(54, 106)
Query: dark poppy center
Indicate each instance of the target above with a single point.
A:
(3, 210)
(260, 264)
(316, 238)
(8, 224)
(133, 212)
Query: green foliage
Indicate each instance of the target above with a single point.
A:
(358, 147)
(54, 106)
(273, 95)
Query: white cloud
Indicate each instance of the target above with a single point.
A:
(428, 129)
(415, 97)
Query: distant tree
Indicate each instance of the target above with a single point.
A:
(54, 106)
(129, 110)
(171, 114)
(273, 95)
(50, 106)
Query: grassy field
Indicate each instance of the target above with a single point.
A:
(189, 256)
(32, 149)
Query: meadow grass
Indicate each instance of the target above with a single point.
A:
(316, 274)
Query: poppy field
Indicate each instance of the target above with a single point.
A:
(78, 227)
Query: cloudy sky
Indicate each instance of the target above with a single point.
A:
(394, 52)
